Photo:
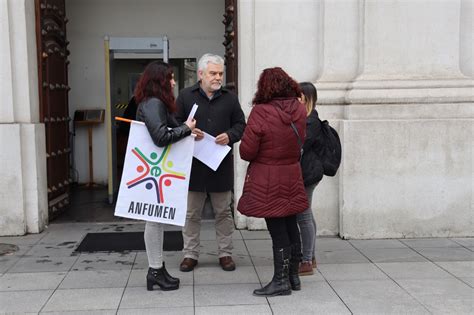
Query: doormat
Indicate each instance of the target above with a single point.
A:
(126, 241)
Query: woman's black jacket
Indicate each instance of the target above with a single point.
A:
(311, 165)
(154, 113)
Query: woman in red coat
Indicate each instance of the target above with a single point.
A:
(273, 187)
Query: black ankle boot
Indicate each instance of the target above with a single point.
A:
(295, 260)
(168, 277)
(157, 276)
(280, 284)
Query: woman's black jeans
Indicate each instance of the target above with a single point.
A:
(284, 231)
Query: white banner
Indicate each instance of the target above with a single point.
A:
(155, 181)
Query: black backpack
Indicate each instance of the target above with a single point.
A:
(330, 150)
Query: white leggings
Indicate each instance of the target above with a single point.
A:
(154, 244)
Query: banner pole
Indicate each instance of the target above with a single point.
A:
(108, 119)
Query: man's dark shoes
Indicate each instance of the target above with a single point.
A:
(188, 264)
(227, 263)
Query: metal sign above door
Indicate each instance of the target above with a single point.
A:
(124, 47)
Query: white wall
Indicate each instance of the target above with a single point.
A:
(23, 187)
(193, 28)
(395, 79)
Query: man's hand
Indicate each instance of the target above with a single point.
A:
(199, 134)
(222, 139)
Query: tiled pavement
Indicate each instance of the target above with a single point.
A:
(407, 276)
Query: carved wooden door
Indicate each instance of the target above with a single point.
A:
(230, 44)
(53, 91)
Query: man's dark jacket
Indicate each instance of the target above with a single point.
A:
(311, 165)
(220, 114)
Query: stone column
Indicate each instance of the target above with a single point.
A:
(394, 77)
(274, 33)
(408, 127)
(23, 194)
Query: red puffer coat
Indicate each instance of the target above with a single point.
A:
(273, 185)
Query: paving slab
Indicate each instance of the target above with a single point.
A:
(132, 226)
(258, 246)
(137, 297)
(376, 297)
(332, 244)
(22, 250)
(380, 255)
(365, 271)
(358, 276)
(39, 264)
(64, 249)
(468, 280)
(66, 236)
(23, 301)
(242, 274)
(429, 242)
(31, 281)
(255, 235)
(84, 299)
(340, 256)
(225, 294)
(74, 226)
(440, 288)
(383, 243)
(447, 254)
(449, 306)
(95, 279)
(28, 239)
(6, 262)
(262, 258)
(466, 241)
(314, 298)
(441, 296)
(413, 270)
(263, 309)
(460, 269)
(88, 312)
(183, 310)
(103, 261)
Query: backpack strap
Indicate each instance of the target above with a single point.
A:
(299, 139)
(297, 135)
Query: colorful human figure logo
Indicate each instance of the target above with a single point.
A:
(155, 172)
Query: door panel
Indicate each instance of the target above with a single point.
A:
(53, 90)
(230, 44)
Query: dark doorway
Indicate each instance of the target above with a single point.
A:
(75, 203)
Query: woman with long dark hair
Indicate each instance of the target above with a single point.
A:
(312, 169)
(273, 187)
(156, 105)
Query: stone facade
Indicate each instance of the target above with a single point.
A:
(23, 196)
(394, 78)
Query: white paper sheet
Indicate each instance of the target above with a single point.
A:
(209, 152)
(192, 112)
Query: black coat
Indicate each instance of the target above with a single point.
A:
(221, 114)
(157, 119)
(311, 165)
